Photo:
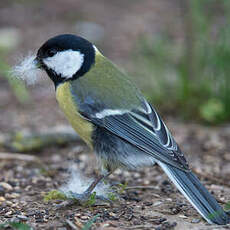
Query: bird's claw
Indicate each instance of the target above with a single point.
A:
(81, 197)
(64, 204)
(84, 197)
(102, 198)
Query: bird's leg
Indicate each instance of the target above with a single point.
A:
(86, 194)
(94, 184)
(83, 197)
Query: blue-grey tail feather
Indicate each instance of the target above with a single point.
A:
(197, 194)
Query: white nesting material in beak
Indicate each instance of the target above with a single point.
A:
(27, 70)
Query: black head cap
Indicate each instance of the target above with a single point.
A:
(62, 43)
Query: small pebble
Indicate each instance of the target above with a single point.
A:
(84, 217)
(6, 186)
(14, 219)
(227, 156)
(195, 221)
(146, 182)
(182, 216)
(112, 214)
(31, 213)
(28, 188)
(16, 205)
(8, 214)
(136, 175)
(147, 203)
(39, 220)
(21, 217)
(9, 203)
(12, 183)
(2, 190)
(166, 225)
(2, 199)
(158, 220)
(12, 195)
(126, 173)
(157, 203)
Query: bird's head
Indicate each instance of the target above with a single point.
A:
(66, 57)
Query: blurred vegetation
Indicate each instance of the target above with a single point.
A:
(15, 226)
(90, 223)
(54, 195)
(227, 207)
(190, 78)
(35, 142)
(8, 41)
(17, 86)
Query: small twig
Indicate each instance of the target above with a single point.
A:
(65, 204)
(140, 227)
(17, 156)
(213, 178)
(141, 187)
(36, 141)
(78, 222)
(71, 224)
(218, 226)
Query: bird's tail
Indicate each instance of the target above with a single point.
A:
(190, 186)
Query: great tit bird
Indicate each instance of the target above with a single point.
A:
(115, 120)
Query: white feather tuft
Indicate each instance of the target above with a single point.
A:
(27, 70)
(79, 183)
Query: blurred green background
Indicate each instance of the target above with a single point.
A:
(177, 51)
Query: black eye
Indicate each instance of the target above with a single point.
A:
(51, 52)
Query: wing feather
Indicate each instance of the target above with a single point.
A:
(145, 130)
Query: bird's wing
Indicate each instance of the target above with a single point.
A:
(144, 129)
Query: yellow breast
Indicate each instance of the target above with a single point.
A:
(65, 99)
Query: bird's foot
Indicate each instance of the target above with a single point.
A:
(87, 197)
(81, 197)
(64, 204)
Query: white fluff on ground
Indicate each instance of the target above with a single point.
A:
(79, 183)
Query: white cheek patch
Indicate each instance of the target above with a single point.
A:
(65, 63)
(27, 70)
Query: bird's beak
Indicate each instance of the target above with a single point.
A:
(37, 62)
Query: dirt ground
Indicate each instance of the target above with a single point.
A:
(150, 201)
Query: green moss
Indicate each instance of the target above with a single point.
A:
(92, 200)
(17, 86)
(112, 196)
(15, 226)
(89, 224)
(227, 207)
(54, 195)
(121, 188)
(212, 111)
